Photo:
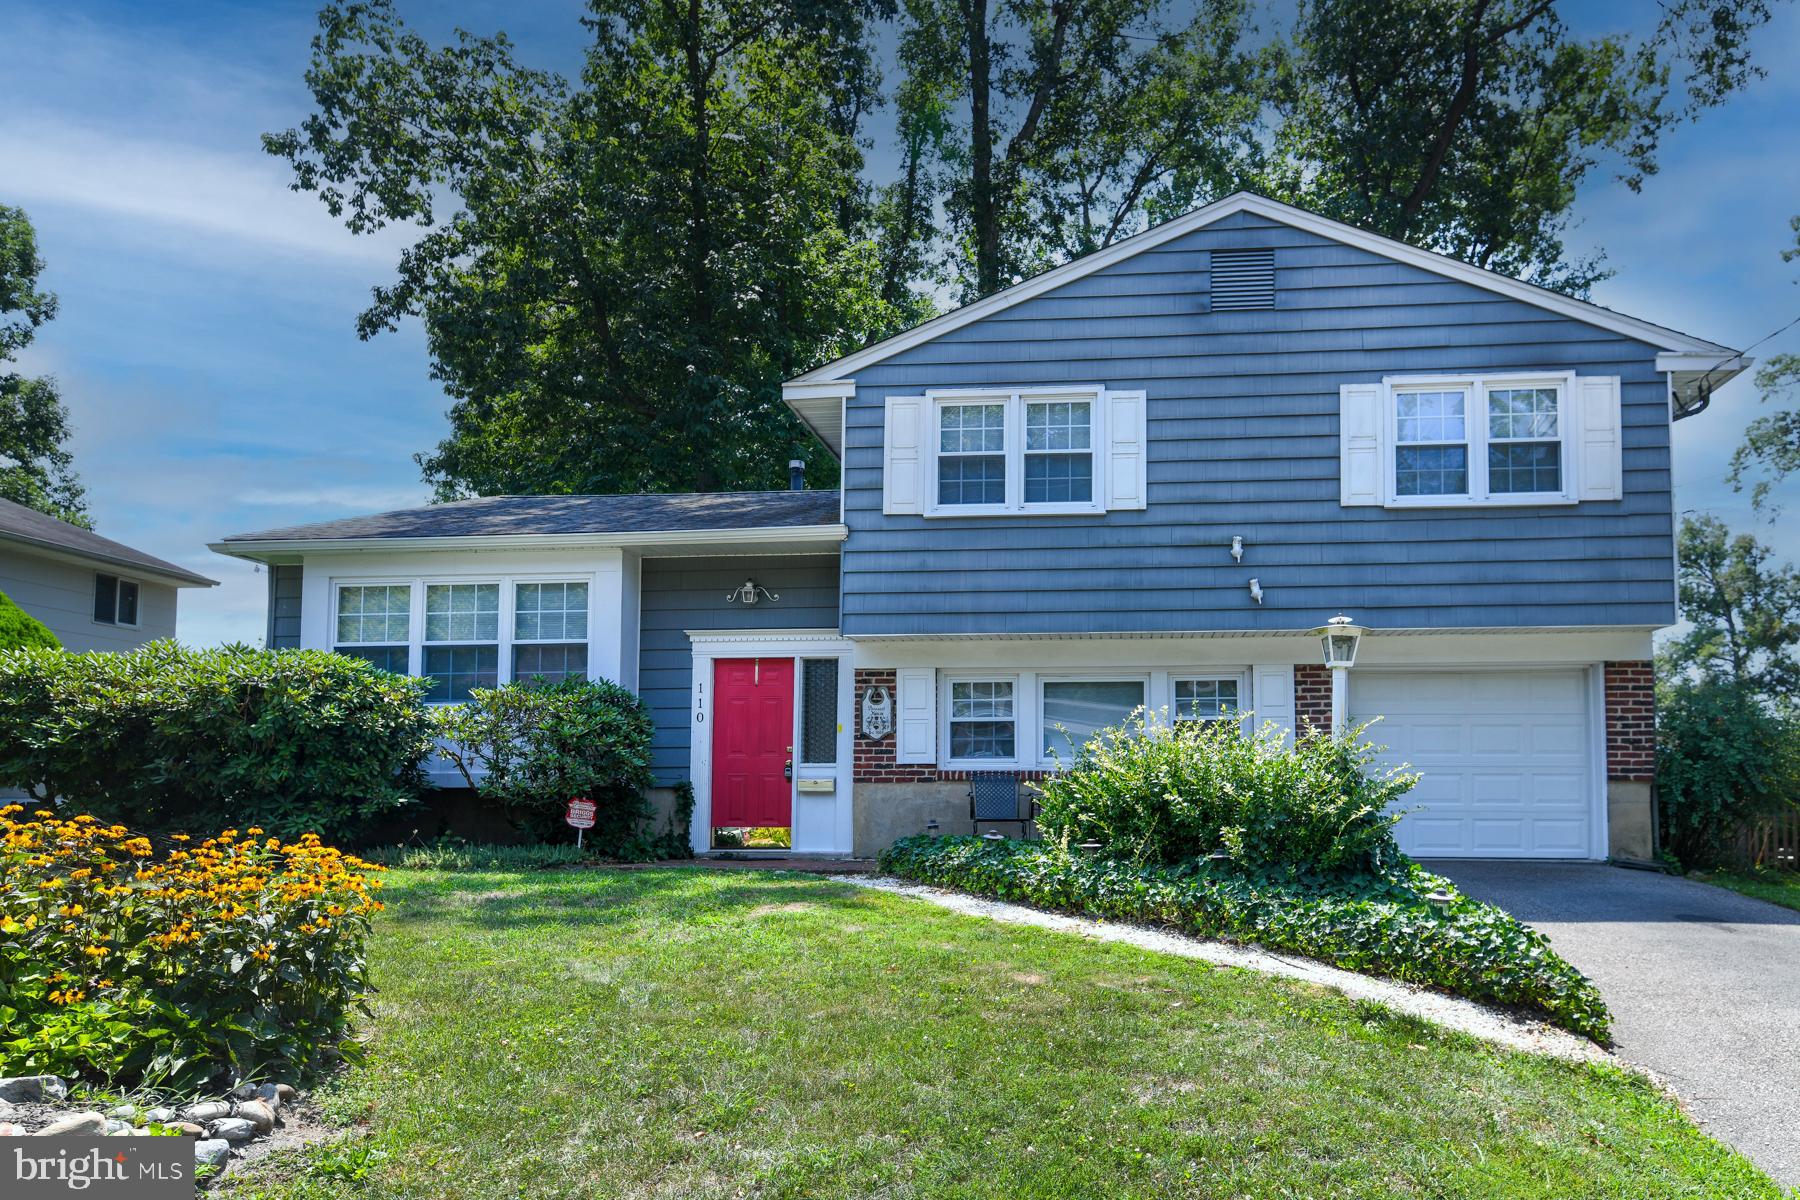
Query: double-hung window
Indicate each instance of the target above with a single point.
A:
(982, 720)
(462, 638)
(374, 622)
(550, 623)
(1018, 451)
(1479, 440)
(1206, 699)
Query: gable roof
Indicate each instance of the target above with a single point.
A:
(817, 394)
(28, 527)
(619, 519)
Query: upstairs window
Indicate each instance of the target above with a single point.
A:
(1059, 451)
(971, 454)
(1524, 440)
(1431, 453)
(115, 601)
(1478, 440)
(1018, 452)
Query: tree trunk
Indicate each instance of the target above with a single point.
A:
(983, 211)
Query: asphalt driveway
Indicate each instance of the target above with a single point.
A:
(1704, 985)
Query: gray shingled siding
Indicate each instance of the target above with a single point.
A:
(1243, 440)
(284, 606)
(689, 593)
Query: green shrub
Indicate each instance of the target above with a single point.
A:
(1161, 793)
(532, 748)
(19, 630)
(456, 854)
(233, 956)
(1377, 926)
(1723, 757)
(167, 738)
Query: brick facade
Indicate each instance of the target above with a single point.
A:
(1312, 697)
(873, 759)
(1630, 721)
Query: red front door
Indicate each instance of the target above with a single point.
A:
(753, 736)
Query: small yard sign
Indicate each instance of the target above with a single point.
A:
(580, 815)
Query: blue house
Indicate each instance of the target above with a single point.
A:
(1142, 479)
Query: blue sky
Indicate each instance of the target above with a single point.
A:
(206, 343)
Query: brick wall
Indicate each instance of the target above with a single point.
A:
(874, 757)
(1630, 721)
(1312, 697)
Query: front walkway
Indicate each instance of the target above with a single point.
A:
(1704, 986)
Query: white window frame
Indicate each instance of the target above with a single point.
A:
(1177, 678)
(416, 643)
(1014, 399)
(1476, 388)
(1044, 758)
(946, 683)
(119, 582)
(514, 641)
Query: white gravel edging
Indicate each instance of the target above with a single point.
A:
(1466, 1016)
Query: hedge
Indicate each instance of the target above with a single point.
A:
(1376, 925)
(19, 630)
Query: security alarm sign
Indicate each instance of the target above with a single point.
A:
(580, 814)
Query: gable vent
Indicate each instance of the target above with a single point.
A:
(1243, 279)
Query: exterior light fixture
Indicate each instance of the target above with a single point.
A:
(750, 593)
(931, 827)
(993, 835)
(1088, 848)
(1339, 637)
(1439, 899)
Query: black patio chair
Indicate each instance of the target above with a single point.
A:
(994, 800)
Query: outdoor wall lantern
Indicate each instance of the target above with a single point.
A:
(1339, 637)
(750, 593)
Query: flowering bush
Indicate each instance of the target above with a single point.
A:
(234, 955)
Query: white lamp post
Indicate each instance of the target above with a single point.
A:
(1339, 637)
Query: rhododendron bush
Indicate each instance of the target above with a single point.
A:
(234, 955)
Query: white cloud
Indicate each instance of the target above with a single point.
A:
(241, 196)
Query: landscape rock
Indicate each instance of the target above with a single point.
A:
(114, 1125)
(258, 1114)
(232, 1129)
(123, 1112)
(212, 1153)
(270, 1094)
(32, 1089)
(160, 1116)
(91, 1124)
(244, 1091)
(207, 1110)
(189, 1128)
(128, 1131)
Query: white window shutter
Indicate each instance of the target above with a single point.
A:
(1125, 442)
(915, 725)
(903, 455)
(1598, 467)
(1359, 444)
(1273, 696)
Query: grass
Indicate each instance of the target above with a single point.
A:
(1777, 887)
(675, 1032)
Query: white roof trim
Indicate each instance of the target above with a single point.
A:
(1656, 335)
(539, 541)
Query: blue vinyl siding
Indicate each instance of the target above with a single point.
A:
(680, 594)
(1243, 441)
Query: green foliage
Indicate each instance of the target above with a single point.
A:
(1744, 611)
(1723, 757)
(534, 748)
(457, 854)
(36, 468)
(1771, 449)
(170, 738)
(19, 630)
(1469, 128)
(631, 261)
(235, 956)
(1160, 793)
(1382, 926)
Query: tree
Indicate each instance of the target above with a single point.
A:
(36, 468)
(631, 262)
(1771, 446)
(1744, 611)
(1056, 127)
(1467, 126)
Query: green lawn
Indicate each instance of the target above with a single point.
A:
(1777, 887)
(688, 1033)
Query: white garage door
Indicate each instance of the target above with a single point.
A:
(1502, 756)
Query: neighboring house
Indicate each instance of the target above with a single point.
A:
(1139, 479)
(93, 593)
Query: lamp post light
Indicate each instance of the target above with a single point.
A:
(1339, 637)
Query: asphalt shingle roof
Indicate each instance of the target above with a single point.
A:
(28, 526)
(489, 516)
